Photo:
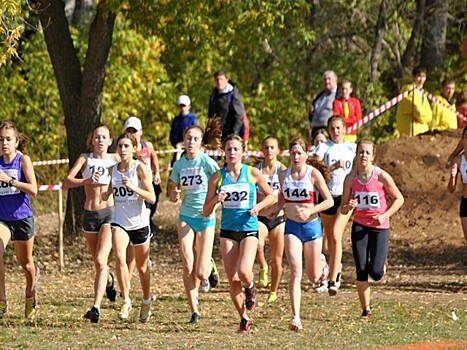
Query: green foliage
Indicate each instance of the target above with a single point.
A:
(275, 51)
(137, 84)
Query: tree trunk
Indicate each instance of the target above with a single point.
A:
(379, 32)
(80, 92)
(434, 38)
(409, 52)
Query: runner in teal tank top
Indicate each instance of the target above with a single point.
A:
(195, 232)
(234, 187)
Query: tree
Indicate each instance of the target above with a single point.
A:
(434, 37)
(276, 52)
(80, 89)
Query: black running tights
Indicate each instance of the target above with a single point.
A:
(370, 251)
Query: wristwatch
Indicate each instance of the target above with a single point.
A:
(12, 181)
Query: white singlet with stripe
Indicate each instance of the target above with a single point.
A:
(130, 211)
(298, 191)
(463, 169)
(101, 166)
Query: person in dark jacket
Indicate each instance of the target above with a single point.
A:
(226, 102)
(182, 121)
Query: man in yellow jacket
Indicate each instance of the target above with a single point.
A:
(443, 117)
(413, 115)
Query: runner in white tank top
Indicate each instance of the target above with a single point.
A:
(131, 186)
(94, 168)
(303, 234)
(271, 220)
(338, 155)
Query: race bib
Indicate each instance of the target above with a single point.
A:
(5, 188)
(238, 196)
(104, 173)
(297, 193)
(273, 182)
(191, 179)
(123, 193)
(367, 200)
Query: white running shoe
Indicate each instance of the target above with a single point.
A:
(124, 311)
(295, 325)
(204, 286)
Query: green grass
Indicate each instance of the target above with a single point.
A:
(329, 323)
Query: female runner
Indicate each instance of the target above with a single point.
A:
(94, 168)
(131, 186)
(338, 155)
(235, 187)
(365, 190)
(195, 232)
(303, 233)
(271, 220)
(17, 183)
(459, 166)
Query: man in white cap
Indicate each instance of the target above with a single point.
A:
(182, 121)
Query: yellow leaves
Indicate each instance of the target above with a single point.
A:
(10, 29)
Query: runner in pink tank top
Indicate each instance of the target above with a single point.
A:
(365, 190)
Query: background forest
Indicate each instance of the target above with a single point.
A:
(68, 65)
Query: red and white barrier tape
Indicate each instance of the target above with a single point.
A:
(49, 187)
(51, 162)
(364, 120)
(391, 103)
(445, 105)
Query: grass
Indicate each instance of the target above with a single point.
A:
(411, 305)
(329, 323)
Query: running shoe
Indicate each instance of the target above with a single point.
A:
(295, 325)
(366, 314)
(332, 288)
(194, 318)
(145, 312)
(272, 297)
(214, 276)
(323, 281)
(30, 307)
(92, 314)
(263, 278)
(124, 311)
(204, 286)
(110, 290)
(245, 326)
(250, 298)
(3, 308)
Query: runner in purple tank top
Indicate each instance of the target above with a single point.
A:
(17, 183)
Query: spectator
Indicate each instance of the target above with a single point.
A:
(413, 115)
(225, 101)
(349, 108)
(321, 108)
(461, 107)
(443, 117)
(182, 121)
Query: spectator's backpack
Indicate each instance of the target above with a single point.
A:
(245, 130)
